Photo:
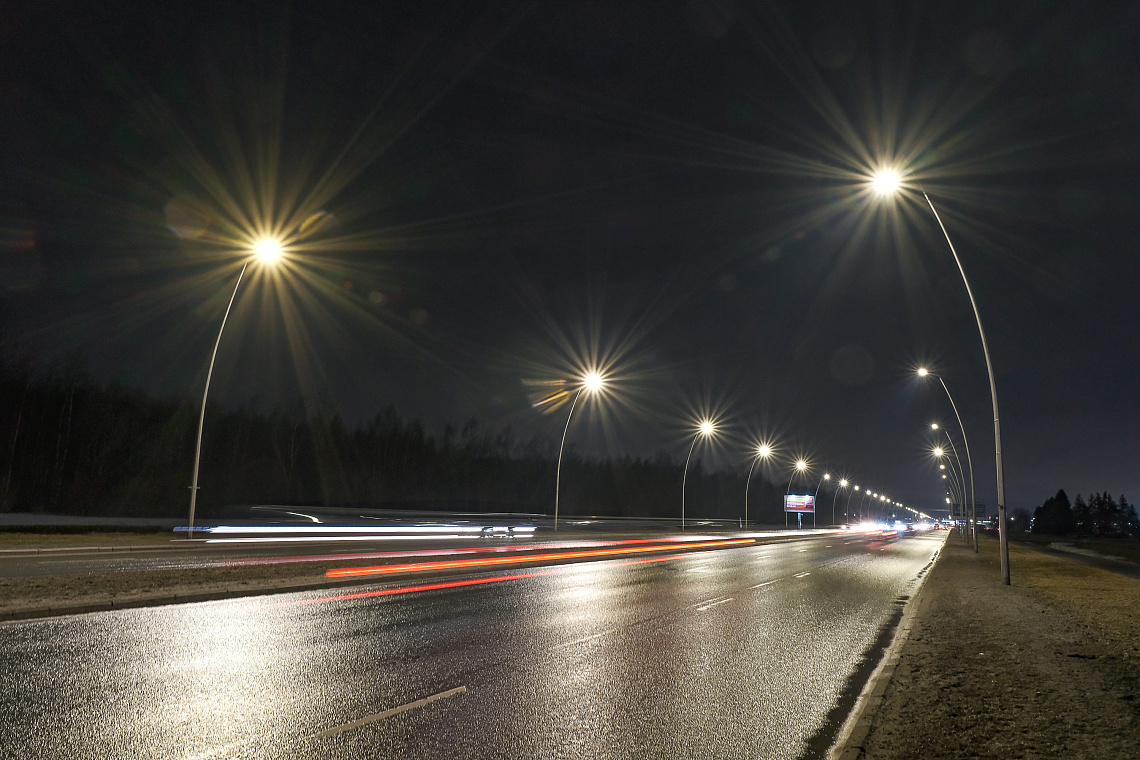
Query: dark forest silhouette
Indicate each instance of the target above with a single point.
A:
(75, 447)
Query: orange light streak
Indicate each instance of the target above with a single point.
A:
(346, 572)
(450, 584)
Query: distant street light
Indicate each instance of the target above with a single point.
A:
(888, 182)
(826, 476)
(847, 506)
(706, 428)
(591, 383)
(763, 451)
(268, 251)
(961, 472)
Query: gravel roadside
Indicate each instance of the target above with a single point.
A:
(1048, 667)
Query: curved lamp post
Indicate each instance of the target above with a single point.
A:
(763, 451)
(842, 484)
(591, 383)
(826, 476)
(847, 506)
(973, 521)
(268, 251)
(706, 429)
(887, 183)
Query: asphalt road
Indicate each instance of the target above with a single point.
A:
(736, 653)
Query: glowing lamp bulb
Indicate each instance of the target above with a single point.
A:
(267, 249)
(885, 182)
(593, 382)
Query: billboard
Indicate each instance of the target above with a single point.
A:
(796, 503)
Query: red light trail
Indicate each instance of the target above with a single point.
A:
(455, 564)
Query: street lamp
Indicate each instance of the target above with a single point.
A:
(842, 484)
(801, 466)
(591, 383)
(706, 428)
(973, 521)
(826, 476)
(951, 477)
(267, 250)
(847, 506)
(763, 451)
(888, 182)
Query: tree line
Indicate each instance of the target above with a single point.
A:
(69, 445)
(1100, 515)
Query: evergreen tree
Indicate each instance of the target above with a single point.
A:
(1055, 517)
(1129, 517)
(1083, 516)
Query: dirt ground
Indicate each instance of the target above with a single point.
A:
(1048, 667)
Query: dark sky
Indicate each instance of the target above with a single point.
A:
(481, 196)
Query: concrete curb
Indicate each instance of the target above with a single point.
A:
(853, 735)
(34, 551)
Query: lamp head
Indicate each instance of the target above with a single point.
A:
(923, 372)
(706, 428)
(593, 382)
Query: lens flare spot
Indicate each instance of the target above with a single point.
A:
(186, 218)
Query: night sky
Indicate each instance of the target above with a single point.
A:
(480, 199)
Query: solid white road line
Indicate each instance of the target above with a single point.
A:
(389, 713)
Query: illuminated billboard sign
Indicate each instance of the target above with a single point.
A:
(796, 503)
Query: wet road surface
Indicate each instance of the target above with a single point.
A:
(735, 653)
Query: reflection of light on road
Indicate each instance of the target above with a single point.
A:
(455, 584)
(347, 572)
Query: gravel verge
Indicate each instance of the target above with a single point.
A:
(1048, 667)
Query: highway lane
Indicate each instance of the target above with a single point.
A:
(732, 653)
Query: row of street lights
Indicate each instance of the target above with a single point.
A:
(886, 183)
(593, 382)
